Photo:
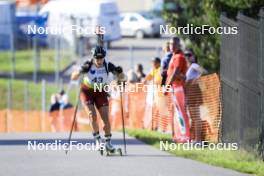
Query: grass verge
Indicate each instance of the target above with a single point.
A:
(239, 160)
(35, 94)
(24, 63)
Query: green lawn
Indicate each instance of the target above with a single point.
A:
(239, 160)
(34, 94)
(25, 64)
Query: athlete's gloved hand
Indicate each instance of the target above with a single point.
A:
(121, 77)
(84, 68)
(119, 70)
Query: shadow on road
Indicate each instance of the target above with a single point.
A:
(149, 155)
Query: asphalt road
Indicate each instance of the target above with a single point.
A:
(128, 52)
(141, 160)
(142, 52)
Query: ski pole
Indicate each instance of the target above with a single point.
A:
(123, 121)
(74, 120)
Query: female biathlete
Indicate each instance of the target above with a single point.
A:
(95, 72)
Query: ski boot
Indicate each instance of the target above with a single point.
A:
(109, 148)
(98, 142)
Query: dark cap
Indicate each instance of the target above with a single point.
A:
(62, 92)
(98, 52)
(156, 59)
(176, 40)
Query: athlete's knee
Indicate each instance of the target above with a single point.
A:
(92, 114)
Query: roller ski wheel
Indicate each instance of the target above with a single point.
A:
(114, 152)
(101, 151)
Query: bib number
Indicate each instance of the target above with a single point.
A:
(98, 80)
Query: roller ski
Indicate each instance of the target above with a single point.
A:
(109, 149)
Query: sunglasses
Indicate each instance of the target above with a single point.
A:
(188, 55)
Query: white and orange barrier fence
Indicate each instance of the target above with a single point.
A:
(141, 109)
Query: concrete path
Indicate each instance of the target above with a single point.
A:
(141, 160)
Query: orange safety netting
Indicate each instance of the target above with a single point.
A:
(22, 121)
(141, 109)
(204, 105)
(35, 121)
(152, 110)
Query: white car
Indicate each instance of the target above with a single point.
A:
(140, 24)
(87, 14)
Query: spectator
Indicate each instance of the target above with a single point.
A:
(193, 103)
(155, 97)
(66, 104)
(152, 94)
(132, 77)
(55, 105)
(176, 78)
(62, 96)
(194, 70)
(140, 72)
(155, 72)
(165, 62)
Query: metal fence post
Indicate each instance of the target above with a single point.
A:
(9, 105)
(26, 96)
(61, 84)
(57, 60)
(9, 95)
(240, 138)
(26, 104)
(43, 107)
(12, 51)
(36, 52)
(261, 15)
(261, 43)
(35, 55)
(131, 51)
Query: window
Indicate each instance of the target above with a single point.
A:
(132, 19)
(122, 18)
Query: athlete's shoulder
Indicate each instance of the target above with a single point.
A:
(111, 66)
(86, 66)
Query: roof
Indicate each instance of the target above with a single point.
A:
(74, 7)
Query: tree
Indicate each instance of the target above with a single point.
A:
(207, 12)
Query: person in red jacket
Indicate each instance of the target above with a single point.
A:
(176, 78)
